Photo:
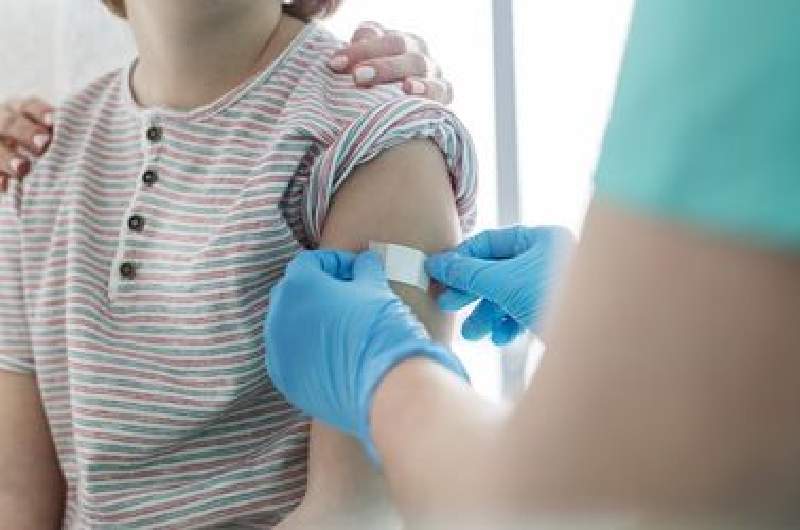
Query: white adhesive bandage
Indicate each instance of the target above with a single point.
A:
(403, 264)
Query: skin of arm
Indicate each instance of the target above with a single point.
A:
(403, 196)
(671, 379)
(31, 485)
(669, 388)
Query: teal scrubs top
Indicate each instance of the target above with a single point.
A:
(705, 128)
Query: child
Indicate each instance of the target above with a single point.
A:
(136, 261)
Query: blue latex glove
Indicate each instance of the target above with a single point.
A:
(334, 330)
(512, 271)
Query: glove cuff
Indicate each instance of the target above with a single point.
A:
(380, 366)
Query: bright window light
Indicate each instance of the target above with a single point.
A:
(568, 55)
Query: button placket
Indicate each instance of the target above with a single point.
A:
(124, 269)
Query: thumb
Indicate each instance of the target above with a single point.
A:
(459, 272)
(368, 267)
(335, 263)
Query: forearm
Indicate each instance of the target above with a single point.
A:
(32, 488)
(670, 382)
(22, 510)
(438, 448)
(344, 490)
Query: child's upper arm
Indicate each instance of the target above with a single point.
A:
(31, 487)
(403, 196)
(31, 484)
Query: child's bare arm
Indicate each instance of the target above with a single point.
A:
(31, 485)
(404, 197)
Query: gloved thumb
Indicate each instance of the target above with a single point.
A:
(368, 267)
(337, 264)
(459, 272)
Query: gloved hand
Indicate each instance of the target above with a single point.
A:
(512, 270)
(333, 331)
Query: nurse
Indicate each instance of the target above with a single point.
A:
(672, 378)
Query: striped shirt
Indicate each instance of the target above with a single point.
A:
(135, 269)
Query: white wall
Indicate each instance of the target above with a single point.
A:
(26, 56)
(568, 55)
(52, 47)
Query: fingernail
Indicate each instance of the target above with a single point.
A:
(41, 140)
(48, 118)
(417, 87)
(16, 164)
(339, 62)
(365, 74)
(367, 26)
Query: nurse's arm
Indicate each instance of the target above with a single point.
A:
(670, 386)
(672, 377)
(31, 486)
(403, 196)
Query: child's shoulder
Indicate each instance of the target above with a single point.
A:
(314, 87)
(103, 91)
(80, 118)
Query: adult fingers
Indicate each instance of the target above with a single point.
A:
(12, 165)
(36, 109)
(386, 44)
(440, 90)
(454, 300)
(377, 48)
(19, 129)
(480, 323)
(456, 271)
(366, 43)
(500, 243)
(368, 267)
(510, 242)
(335, 263)
(391, 69)
(505, 330)
(368, 30)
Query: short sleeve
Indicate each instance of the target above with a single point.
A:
(706, 123)
(15, 345)
(383, 127)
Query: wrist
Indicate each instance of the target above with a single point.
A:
(402, 401)
(422, 350)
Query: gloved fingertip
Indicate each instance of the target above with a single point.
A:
(504, 331)
(471, 335)
(472, 329)
(436, 265)
(502, 339)
(368, 265)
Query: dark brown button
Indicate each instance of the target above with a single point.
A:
(136, 223)
(155, 133)
(149, 177)
(127, 270)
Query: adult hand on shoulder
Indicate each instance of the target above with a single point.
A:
(511, 270)
(377, 55)
(333, 331)
(26, 129)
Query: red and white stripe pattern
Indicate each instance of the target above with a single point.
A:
(154, 386)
